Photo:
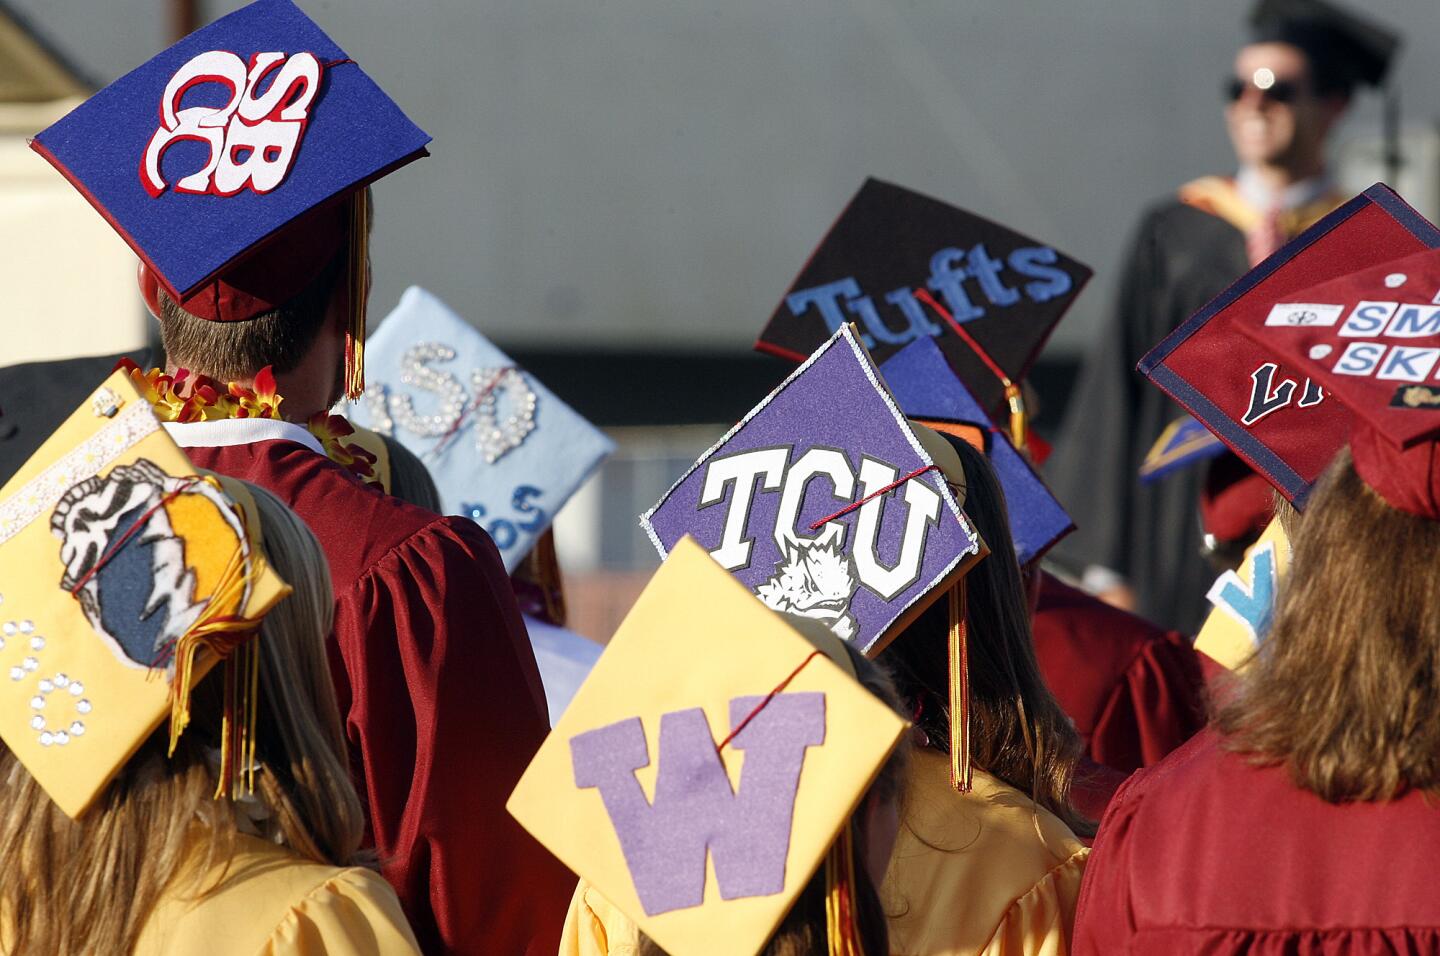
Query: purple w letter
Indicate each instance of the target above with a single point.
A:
(695, 811)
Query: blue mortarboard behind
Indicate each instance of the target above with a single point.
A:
(502, 448)
(216, 143)
(927, 390)
(1183, 442)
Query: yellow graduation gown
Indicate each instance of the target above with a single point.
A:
(987, 872)
(273, 903)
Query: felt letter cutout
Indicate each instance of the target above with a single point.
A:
(256, 152)
(1251, 606)
(747, 833)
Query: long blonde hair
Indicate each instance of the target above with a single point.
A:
(88, 885)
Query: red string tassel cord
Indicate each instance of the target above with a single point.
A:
(1019, 422)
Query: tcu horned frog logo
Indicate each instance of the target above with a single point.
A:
(252, 138)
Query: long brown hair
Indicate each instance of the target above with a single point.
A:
(803, 930)
(1344, 688)
(88, 885)
(1019, 732)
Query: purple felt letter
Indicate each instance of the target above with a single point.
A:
(695, 810)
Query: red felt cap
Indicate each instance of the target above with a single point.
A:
(1236, 502)
(272, 274)
(1372, 341)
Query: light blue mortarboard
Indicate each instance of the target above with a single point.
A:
(503, 449)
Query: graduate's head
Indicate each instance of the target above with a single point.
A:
(1279, 111)
(1020, 734)
(158, 820)
(1343, 690)
(231, 335)
(1295, 78)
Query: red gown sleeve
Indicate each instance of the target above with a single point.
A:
(445, 711)
(1156, 706)
(1103, 922)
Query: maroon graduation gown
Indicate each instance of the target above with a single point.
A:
(1206, 853)
(442, 703)
(1133, 689)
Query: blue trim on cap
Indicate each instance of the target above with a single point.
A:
(1240, 441)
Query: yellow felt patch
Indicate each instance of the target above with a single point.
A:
(78, 692)
(697, 639)
(1244, 599)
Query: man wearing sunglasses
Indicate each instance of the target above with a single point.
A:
(1141, 545)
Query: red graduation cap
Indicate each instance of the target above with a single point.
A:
(233, 163)
(1268, 408)
(1372, 340)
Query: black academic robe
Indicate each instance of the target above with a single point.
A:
(1180, 258)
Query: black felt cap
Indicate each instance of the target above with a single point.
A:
(1343, 48)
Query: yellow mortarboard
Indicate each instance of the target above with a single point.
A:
(710, 730)
(1244, 600)
(125, 576)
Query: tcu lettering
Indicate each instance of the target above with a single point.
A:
(773, 470)
(950, 269)
(746, 832)
(1267, 397)
(253, 138)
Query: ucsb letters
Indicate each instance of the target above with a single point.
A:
(1039, 280)
(252, 138)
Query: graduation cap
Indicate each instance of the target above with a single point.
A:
(906, 266)
(1371, 339)
(1184, 442)
(1268, 409)
(1343, 48)
(503, 449)
(711, 727)
(233, 164)
(826, 502)
(928, 392)
(125, 577)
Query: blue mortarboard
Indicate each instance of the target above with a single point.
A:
(928, 391)
(254, 128)
(1184, 441)
(503, 449)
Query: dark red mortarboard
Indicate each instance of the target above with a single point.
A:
(1372, 340)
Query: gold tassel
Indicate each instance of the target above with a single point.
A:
(230, 637)
(1019, 421)
(358, 285)
(960, 762)
(840, 932)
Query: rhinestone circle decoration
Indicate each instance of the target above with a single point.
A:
(377, 399)
(56, 732)
(1395, 280)
(415, 371)
(495, 439)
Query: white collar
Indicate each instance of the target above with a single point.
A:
(240, 431)
(1254, 190)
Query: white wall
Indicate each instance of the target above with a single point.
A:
(656, 171)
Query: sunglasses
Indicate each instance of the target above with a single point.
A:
(1281, 91)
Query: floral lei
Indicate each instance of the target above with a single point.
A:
(208, 400)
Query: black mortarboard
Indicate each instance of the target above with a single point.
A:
(1343, 48)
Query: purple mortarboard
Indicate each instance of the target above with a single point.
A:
(1270, 410)
(825, 503)
(928, 391)
(227, 160)
(889, 244)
